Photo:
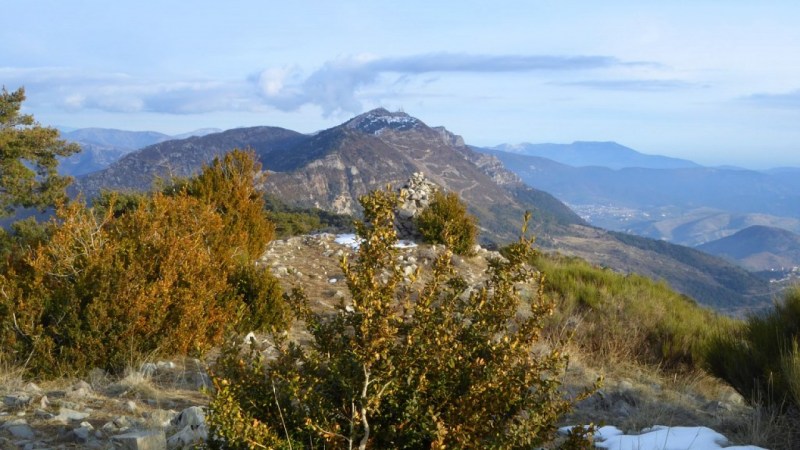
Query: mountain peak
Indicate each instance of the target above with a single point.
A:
(377, 120)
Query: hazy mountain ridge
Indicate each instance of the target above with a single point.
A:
(758, 248)
(655, 202)
(100, 147)
(589, 153)
(710, 280)
(332, 168)
(180, 158)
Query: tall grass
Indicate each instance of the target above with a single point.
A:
(627, 317)
(761, 358)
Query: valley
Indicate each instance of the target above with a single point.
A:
(617, 188)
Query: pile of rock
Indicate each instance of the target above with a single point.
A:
(415, 196)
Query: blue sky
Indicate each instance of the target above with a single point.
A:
(717, 82)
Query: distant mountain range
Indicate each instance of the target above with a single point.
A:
(100, 147)
(689, 205)
(603, 154)
(332, 168)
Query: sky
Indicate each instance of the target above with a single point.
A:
(717, 82)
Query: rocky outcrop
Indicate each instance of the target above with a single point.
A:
(415, 196)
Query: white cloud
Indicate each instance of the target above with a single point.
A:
(335, 86)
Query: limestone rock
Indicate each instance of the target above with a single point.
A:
(66, 415)
(161, 418)
(188, 436)
(140, 440)
(194, 415)
(17, 400)
(32, 388)
(192, 425)
(19, 429)
(80, 390)
(83, 432)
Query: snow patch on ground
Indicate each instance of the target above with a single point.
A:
(660, 437)
(350, 240)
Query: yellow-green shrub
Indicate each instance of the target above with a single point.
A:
(442, 367)
(262, 305)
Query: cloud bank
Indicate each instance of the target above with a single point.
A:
(333, 87)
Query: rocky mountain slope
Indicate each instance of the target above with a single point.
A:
(332, 168)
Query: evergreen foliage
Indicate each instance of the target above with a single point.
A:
(292, 221)
(28, 158)
(446, 220)
(230, 184)
(163, 275)
(445, 366)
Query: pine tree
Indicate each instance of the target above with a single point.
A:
(28, 158)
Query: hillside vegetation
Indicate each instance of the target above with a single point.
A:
(628, 317)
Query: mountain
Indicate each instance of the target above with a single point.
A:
(758, 248)
(115, 138)
(100, 147)
(682, 205)
(604, 154)
(697, 226)
(332, 168)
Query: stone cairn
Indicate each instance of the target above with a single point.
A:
(415, 196)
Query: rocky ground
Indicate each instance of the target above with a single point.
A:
(154, 406)
(159, 404)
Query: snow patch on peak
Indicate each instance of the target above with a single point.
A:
(377, 120)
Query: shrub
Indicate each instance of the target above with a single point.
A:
(446, 366)
(261, 297)
(162, 276)
(761, 359)
(230, 186)
(23, 235)
(446, 220)
(118, 203)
